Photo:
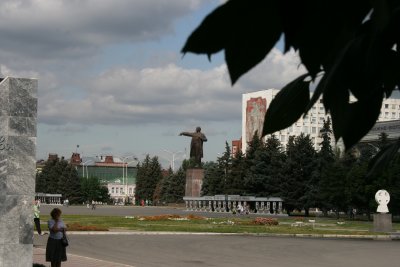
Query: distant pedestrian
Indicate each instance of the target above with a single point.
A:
(36, 217)
(55, 251)
(93, 205)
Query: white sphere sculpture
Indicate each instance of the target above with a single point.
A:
(382, 197)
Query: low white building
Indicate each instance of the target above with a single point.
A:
(121, 193)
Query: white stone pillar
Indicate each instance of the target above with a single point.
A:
(18, 109)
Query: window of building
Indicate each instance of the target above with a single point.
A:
(121, 190)
(116, 190)
(386, 105)
(305, 129)
(321, 108)
(283, 138)
(314, 130)
(112, 190)
(320, 101)
(313, 119)
(393, 115)
(290, 129)
(386, 115)
(130, 191)
(393, 106)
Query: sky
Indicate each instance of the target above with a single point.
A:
(113, 81)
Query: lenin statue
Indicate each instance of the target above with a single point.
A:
(196, 146)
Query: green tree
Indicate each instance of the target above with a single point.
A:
(91, 189)
(59, 177)
(265, 174)
(148, 176)
(216, 174)
(235, 178)
(251, 180)
(213, 183)
(299, 174)
(325, 158)
(174, 186)
(332, 187)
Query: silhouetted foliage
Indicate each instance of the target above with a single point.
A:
(353, 46)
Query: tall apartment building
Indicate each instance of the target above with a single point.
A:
(255, 105)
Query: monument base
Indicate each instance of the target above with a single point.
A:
(382, 222)
(194, 181)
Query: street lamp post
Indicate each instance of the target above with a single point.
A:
(83, 169)
(172, 161)
(125, 165)
(126, 175)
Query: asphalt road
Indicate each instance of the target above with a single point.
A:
(185, 250)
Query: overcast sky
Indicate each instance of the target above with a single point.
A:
(112, 79)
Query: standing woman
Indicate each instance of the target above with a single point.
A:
(55, 251)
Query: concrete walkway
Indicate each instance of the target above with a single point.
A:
(74, 260)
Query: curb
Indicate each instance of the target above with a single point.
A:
(327, 236)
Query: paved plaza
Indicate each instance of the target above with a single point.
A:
(183, 250)
(151, 249)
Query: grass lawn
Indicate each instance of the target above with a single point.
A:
(191, 223)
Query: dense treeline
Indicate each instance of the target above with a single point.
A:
(325, 179)
(60, 177)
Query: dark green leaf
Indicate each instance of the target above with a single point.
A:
(256, 30)
(383, 158)
(361, 117)
(213, 33)
(391, 72)
(287, 106)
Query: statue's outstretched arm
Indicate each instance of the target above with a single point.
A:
(186, 134)
(204, 138)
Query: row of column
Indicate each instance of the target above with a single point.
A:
(266, 207)
(49, 200)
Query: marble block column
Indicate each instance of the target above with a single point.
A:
(18, 109)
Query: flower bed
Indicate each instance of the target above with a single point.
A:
(265, 221)
(173, 217)
(79, 227)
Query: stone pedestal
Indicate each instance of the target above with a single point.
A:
(194, 181)
(18, 109)
(382, 222)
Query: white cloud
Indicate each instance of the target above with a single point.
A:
(169, 94)
(71, 29)
(274, 72)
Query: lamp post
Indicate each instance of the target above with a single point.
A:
(83, 170)
(172, 161)
(125, 178)
(126, 175)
